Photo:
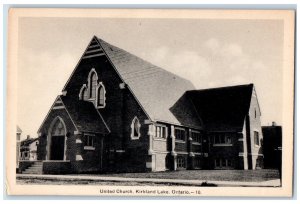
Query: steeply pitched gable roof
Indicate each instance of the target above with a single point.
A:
(186, 113)
(222, 109)
(156, 89)
(85, 116)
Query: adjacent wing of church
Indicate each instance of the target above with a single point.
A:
(119, 113)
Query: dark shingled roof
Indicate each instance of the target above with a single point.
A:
(156, 89)
(85, 116)
(28, 141)
(185, 112)
(222, 109)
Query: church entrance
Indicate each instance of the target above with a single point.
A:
(57, 147)
(57, 140)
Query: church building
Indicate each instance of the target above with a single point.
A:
(120, 113)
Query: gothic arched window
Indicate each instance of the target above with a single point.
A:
(92, 83)
(101, 95)
(58, 128)
(135, 129)
(83, 93)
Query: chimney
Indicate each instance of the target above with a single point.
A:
(273, 123)
(28, 137)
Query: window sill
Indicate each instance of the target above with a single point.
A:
(89, 148)
(91, 99)
(159, 139)
(180, 141)
(54, 161)
(222, 145)
(196, 143)
(224, 167)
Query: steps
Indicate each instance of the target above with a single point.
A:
(36, 168)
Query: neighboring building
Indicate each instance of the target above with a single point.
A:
(272, 146)
(28, 150)
(119, 113)
(19, 132)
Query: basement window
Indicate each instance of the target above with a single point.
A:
(223, 163)
(181, 162)
(197, 162)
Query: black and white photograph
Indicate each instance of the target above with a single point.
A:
(150, 102)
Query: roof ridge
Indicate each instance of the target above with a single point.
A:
(222, 87)
(30, 140)
(145, 61)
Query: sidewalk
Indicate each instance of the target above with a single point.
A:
(270, 183)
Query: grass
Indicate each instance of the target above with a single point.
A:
(45, 181)
(39, 181)
(209, 175)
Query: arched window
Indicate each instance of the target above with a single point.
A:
(135, 129)
(101, 95)
(58, 128)
(83, 92)
(92, 83)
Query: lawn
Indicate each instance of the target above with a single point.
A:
(40, 181)
(209, 175)
(204, 175)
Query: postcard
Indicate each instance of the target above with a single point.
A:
(150, 102)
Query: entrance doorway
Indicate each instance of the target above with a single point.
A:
(56, 148)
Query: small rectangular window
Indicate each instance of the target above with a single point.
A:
(158, 131)
(256, 138)
(222, 138)
(161, 131)
(229, 163)
(228, 139)
(196, 136)
(180, 134)
(164, 132)
(89, 140)
(217, 162)
(180, 162)
(217, 139)
(223, 162)
(197, 162)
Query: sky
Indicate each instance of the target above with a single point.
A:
(209, 53)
